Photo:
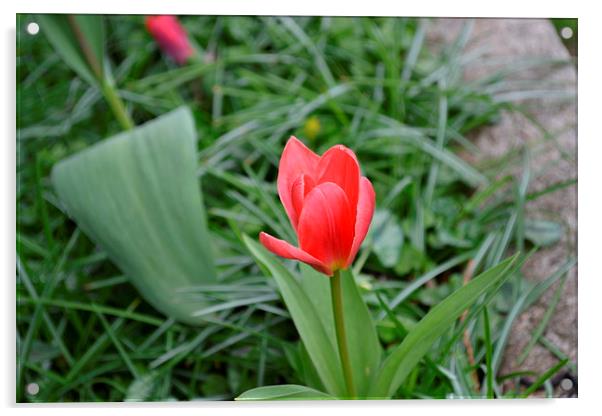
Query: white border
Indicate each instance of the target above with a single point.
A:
(590, 209)
(506, 8)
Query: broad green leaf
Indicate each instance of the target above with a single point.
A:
(284, 392)
(137, 196)
(319, 345)
(439, 319)
(79, 40)
(362, 338)
(317, 288)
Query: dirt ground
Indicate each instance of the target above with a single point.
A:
(521, 39)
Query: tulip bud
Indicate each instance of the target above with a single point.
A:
(329, 204)
(171, 37)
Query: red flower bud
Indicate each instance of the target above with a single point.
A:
(329, 204)
(170, 36)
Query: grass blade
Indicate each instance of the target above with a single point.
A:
(544, 377)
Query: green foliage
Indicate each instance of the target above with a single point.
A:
(418, 341)
(364, 348)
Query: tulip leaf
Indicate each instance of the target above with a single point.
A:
(284, 392)
(318, 343)
(317, 288)
(79, 40)
(419, 340)
(305, 370)
(137, 196)
(362, 340)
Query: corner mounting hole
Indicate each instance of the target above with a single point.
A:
(566, 384)
(33, 389)
(33, 28)
(566, 32)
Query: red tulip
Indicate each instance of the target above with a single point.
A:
(170, 36)
(329, 204)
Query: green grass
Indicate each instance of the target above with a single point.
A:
(83, 331)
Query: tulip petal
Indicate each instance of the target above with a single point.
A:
(301, 187)
(339, 165)
(365, 211)
(284, 249)
(326, 225)
(296, 160)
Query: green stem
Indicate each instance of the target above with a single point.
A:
(116, 104)
(85, 47)
(339, 323)
(107, 88)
